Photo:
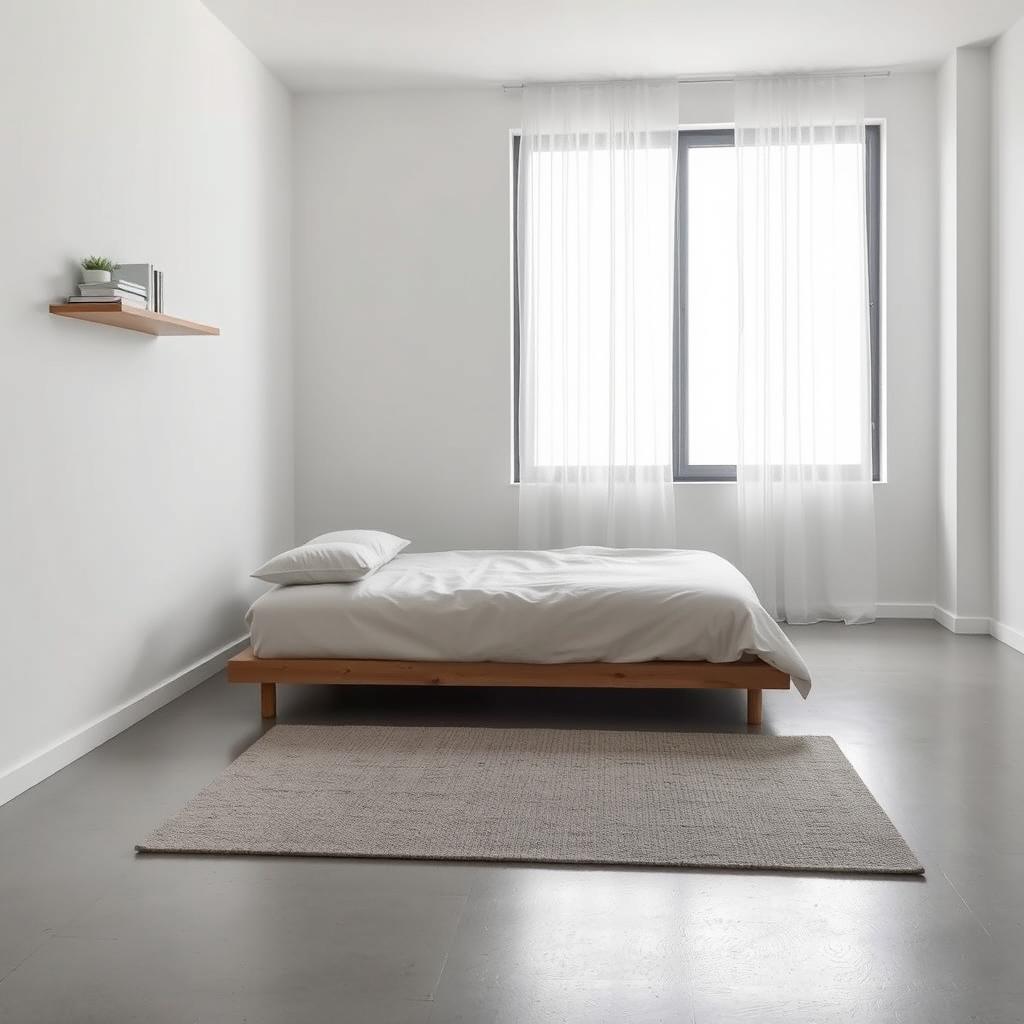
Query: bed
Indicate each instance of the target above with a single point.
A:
(579, 617)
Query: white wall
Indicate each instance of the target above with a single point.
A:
(974, 582)
(964, 584)
(143, 478)
(402, 362)
(905, 503)
(1008, 336)
(403, 389)
(946, 549)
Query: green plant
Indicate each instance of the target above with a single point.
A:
(98, 263)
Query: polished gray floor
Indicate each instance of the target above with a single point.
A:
(91, 932)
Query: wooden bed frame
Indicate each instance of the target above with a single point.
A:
(752, 676)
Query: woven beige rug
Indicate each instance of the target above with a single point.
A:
(551, 795)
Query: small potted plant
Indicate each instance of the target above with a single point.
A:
(96, 269)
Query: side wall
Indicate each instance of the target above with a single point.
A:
(964, 556)
(946, 549)
(1007, 407)
(144, 478)
(403, 352)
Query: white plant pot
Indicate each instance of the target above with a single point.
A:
(95, 276)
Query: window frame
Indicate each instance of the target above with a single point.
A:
(516, 140)
(683, 470)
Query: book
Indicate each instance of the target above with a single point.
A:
(136, 301)
(108, 289)
(110, 293)
(139, 274)
(102, 289)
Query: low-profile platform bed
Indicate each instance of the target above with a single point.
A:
(579, 617)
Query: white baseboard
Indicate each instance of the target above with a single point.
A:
(970, 625)
(38, 767)
(964, 625)
(1011, 637)
(905, 611)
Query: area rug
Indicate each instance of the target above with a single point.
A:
(783, 803)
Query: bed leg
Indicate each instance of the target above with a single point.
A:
(268, 700)
(754, 706)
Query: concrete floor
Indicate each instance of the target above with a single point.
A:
(91, 932)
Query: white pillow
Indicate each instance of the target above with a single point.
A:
(342, 557)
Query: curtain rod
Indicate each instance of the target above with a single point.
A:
(717, 80)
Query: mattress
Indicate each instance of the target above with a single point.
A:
(541, 607)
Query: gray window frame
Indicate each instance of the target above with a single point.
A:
(683, 470)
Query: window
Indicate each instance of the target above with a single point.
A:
(584, 201)
(706, 308)
(706, 322)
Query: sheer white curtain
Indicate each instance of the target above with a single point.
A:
(596, 227)
(804, 466)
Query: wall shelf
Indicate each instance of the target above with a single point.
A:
(113, 314)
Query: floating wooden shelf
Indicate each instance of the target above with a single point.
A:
(114, 314)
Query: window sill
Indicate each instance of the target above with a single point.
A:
(706, 483)
(732, 483)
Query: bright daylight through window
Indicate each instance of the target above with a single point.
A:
(706, 306)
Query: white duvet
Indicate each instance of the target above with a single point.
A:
(544, 607)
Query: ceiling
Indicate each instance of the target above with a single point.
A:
(344, 44)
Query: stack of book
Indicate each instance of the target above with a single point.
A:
(128, 293)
